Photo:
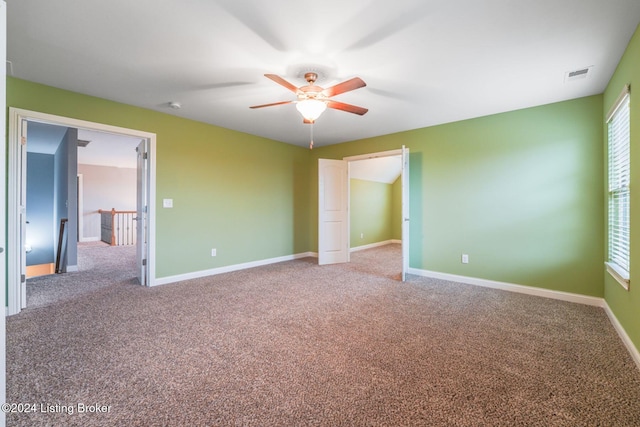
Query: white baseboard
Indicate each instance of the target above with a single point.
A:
(633, 351)
(90, 239)
(530, 290)
(546, 293)
(229, 268)
(374, 245)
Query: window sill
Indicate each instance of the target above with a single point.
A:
(620, 275)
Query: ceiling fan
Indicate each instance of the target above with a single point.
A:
(313, 100)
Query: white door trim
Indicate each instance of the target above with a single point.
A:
(16, 116)
(80, 208)
(405, 212)
(142, 188)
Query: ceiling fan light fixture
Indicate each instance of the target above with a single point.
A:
(311, 109)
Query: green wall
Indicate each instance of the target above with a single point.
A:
(396, 209)
(243, 195)
(371, 212)
(520, 192)
(626, 304)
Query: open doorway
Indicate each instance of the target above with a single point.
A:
(142, 155)
(105, 165)
(375, 202)
(338, 232)
(107, 182)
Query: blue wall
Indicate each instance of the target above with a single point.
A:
(66, 196)
(40, 229)
(51, 196)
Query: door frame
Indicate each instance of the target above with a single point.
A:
(16, 172)
(79, 189)
(142, 189)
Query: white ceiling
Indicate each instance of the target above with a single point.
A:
(378, 169)
(425, 62)
(106, 149)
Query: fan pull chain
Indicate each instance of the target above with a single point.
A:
(311, 137)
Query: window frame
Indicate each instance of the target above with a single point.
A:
(618, 189)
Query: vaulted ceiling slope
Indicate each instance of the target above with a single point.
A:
(425, 62)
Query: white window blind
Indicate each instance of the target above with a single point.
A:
(619, 179)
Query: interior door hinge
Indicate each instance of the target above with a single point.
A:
(23, 278)
(144, 261)
(23, 140)
(144, 154)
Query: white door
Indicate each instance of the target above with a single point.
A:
(141, 211)
(333, 214)
(22, 214)
(405, 212)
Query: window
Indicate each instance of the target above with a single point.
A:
(618, 189)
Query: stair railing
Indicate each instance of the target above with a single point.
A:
(118, 228)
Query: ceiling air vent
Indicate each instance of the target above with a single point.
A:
(580, 74)
(83, 142)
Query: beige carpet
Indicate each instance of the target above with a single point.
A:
(296, 344)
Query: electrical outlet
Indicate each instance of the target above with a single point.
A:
(362, 235)
(465, 259)
(214, 252)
